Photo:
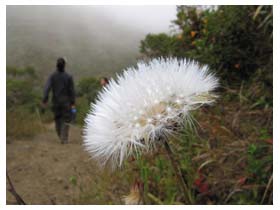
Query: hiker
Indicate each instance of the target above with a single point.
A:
(104, 81)
(63, 99)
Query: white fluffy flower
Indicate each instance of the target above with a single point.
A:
(144, 104)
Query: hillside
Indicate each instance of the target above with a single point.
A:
(93, 44)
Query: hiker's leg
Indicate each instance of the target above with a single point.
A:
(66, 119)
(58, 120)
(58, 126)
(64, 132)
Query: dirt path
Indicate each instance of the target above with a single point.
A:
(45, 172)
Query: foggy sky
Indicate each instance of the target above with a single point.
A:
(146, 18)
(97, 40)
(152, 19)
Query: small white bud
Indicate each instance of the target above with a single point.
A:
(156, 101)
(137, 125)
(168, 109)
(159, 116)
(149, 120)
(178, 101)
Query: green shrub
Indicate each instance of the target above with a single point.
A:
(88, 87)
(82, 106)
(23, 97)
(235, 41)
(22, 88)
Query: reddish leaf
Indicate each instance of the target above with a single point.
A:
(204, 188)
(242, 180)
(198, 182)
(269, 141)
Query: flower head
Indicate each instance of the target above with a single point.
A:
(143, 105)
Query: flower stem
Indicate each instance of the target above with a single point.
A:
(178, 173)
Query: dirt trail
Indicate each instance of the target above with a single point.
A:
(45, 172)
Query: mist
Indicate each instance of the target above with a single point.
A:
(96, 40)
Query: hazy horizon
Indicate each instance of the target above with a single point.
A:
(96, 40)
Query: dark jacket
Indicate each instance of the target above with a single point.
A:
(62, 86)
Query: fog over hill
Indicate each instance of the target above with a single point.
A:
(95, 39)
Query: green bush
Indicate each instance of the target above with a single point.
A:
(87, 91)
(82, 106)
(22, 88)
(88, 87)
(235, 41)
(23, 97)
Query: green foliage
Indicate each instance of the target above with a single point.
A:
(264, 17)
(158, 45)
(156, 173)
(259, 171)
(231, 40)
(87, 91)
(73, 180)
(264, 134)
(89, 88)
(22, 88)
(28, 72)
(22, 98)
(82, 106)
(259, 158)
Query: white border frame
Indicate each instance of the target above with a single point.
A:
(276, 85)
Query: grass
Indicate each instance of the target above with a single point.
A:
(23, 124)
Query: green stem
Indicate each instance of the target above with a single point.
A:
(178, 173)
